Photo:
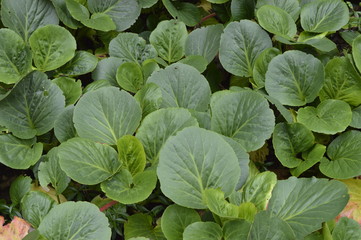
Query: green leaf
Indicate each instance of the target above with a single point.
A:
(204, 42)
(64, 126)
(15, 57)
(184, 11)
(261, 65)
(107, 114)
(244, 116)
(169, 39)
(324, 15)
(32, 106)
(198, 62)
(182, 86)
(50, 172)
(18, 188)
(241, 43)
(310, 158)
(148, 67)
(96, 85)
(356, 52)
(292, 7)
(130, 77)
(290, 139)
(77, 10)
(131, 154)
(175, 219)
(203, 231)
(236, 229)
(324, 45)
(24, 17)
(150, 98)
(107, 70)
(147, 3)
(217, 1)
(345, 154)
(88, 162)
(18, 153)
(52, 47)
(194, 160)
(71, 89)
(346, 229)
(242, 9)
(35, 206)
(356, 118)
(277, 21)
(217, 204)
(64, 14)
(76, 221)
(294, 78)
(140, 225)
(129, 47)
(100, 21)
(330, 117)
(305, 203)
(342, 82)
(82, 63)
(128, 189)
(159, 125)
(259, 188)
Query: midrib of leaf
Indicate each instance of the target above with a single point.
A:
(322, 19)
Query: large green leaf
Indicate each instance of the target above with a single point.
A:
(345, 156)
(169, 40)
(15, 57)
(292, 7)
(244, 116)
(129, 47)
(184, 11)
(107, 114)
(277, 21)
(88, 162)
(131, 154)
(150, 98)
(241, 43)
(261, 65)
(175, 219)
(71, 88)
(194, 160)
(140, 225)
(203, 231)
(158, 126)
(64, 14)
(324, 15)
(182, 86)
(128, 189)
(130, 77)
(356, 52)
(18, 188)
(24, 16)
(330, 117)
(305, 203)
(64, 127)
(52, 47)
(294, 78)
(76, 221)
(107, 70)
(342, 82)
(290, 139)
(346, 229)
(242, 9)
(82, 63)
(236, 229)
(32, 106)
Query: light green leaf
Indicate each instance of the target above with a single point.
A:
(217, 1)
(150, 98)
(258, 189)
(100, 21)
(159, 125)
(50, 172)
(182, 86)
(82, 63)
(203, 231)
(35, 206)
(88, 162)
(247, 211)
(130, 77)
(305, 203)
(129, 47)
(77, 10)
(169, 39)
(175, 219)
(349, 35)
(147, 3)
(18, 188)
(324, 15)
(294, 78)
(324, 45)
(346, 229)
(330, 117)
(217, 204)
(184, 11)
(241, 43)
(64, 126)
(52, 47)
(76, 221)
(15, 57)
(140, 225)
(198, 62)
(290, 139)
(244, 116)
(292, 7)
(342, 82)
(236, 229)
(345, 156)
(107, 70)
(194, 160)
(24, 16)
(71, 89)
(96, 85)
(148, 67)
(242, 9)
(128, 189)
(64, 14)
(310, 158)
(32, 106)
(356, 52)
(203, 118)
(261, 65)
(107, 114)
(356, 117)
(131, 154)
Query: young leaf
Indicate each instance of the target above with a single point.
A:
(100, 21)
(261, 65)
(241, 43)
(292, 7)
(82, 63)
(64, 126)
(71, 89)
(140, 225)
(107, 70)
(346, 229)
(150, 98)
(217, 204)
(310, 158)
(194, 160)
(198, 62)
(76, 221)
(130, 77)
(131, 154)
(64, 14)
(184, 11)
(18, 188)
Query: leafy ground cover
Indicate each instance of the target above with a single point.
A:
(168, 119)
